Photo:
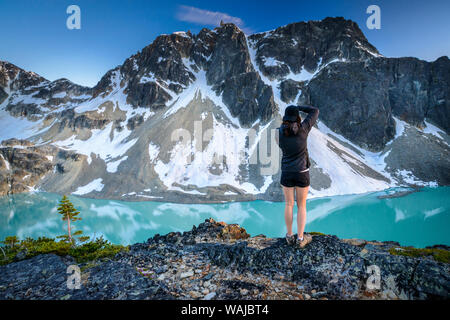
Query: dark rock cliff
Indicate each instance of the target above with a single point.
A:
(358, 99)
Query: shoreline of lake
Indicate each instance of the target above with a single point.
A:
(179, 197)
(352, 216)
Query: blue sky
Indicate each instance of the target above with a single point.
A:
(34, 35)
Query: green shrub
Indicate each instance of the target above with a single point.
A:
(72, 244)
(89, 251)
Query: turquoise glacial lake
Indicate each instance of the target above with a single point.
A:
(419, 219)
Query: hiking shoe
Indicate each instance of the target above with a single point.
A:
(290, 239)
(306, 239)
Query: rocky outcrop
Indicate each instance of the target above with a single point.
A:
(202, 264)
(70, 119)
(248, 98)
(16, 78)
(289, 90)
(147, 95)
(21, 166)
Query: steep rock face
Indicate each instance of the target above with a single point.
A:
(230, 56)
(358, 99)
(289, 90)
(439, 93)
(419, 89)
(147, 95)
(3, 95)
(16, 78)
(232, 74)
(248, 98)
(354, 103)
(157, 70)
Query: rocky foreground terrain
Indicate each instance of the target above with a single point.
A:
(219, 261)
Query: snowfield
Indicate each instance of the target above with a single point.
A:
(95, 185)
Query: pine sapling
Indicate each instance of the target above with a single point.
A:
(69, 214)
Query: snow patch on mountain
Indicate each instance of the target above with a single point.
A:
(112, 167)
(409, 177)
(19, 127)
(153, 151)
(432, 129)
(101, 144)
(60, 94)
(95, 185)
(375, 160)
(344, 179)
(271, 62)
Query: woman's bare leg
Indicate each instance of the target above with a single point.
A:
(289, 208)
(302, 194)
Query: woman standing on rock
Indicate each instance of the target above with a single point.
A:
(295, 164)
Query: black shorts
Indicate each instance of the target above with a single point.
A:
(295, 179)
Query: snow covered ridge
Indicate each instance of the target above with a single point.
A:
(164, 126)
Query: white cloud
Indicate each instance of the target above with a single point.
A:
(206, 17)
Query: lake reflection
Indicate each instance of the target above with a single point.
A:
(418, 219)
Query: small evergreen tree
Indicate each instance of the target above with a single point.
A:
(10, 241)
(69, 214)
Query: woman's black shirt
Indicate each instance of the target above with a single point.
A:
(294, 147)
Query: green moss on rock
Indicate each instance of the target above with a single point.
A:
(314, 233)
(439, 255)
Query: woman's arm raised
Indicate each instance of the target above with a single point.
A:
(311, 118)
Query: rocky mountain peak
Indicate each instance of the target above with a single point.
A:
(154, 77)
(14, 78)
(33, 96)
(307, 46)
(230, 56)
